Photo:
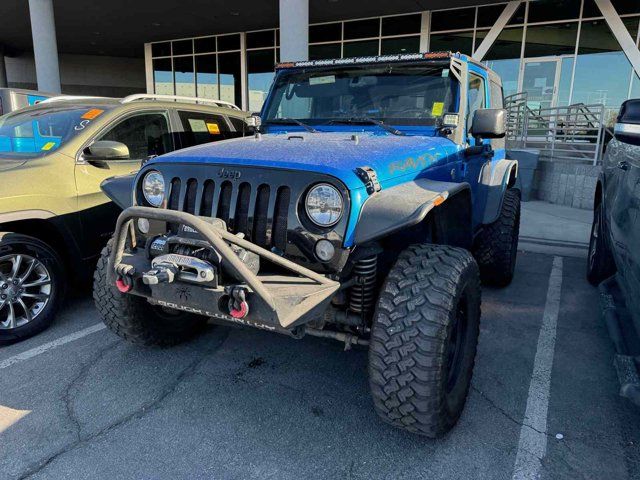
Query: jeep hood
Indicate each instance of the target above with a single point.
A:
(336, 154)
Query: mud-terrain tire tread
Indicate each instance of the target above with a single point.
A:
(133, 318)
(496, 246)
(407, 353)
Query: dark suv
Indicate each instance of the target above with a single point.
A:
(614, 248)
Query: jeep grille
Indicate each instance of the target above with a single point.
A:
(259, 211)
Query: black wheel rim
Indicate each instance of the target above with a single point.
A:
(456, 343)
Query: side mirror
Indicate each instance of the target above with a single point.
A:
(627, 128)
(254, 120)
(106, 150)
(489, 123)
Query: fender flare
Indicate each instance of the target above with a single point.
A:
(495, 178)
(402, 206)
(120, 189)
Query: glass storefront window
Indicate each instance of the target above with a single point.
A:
(326, 32)
(635, 87)
(207, 76)
(488, 15)
(260, 73)
(204, 45)
(564, 89)
(362, 29)
(391, 46)
(456, 19)
(182, 47)
(623, 7)
(598, 51)
(554, 39)
(550, 10)
(401, 25)
(360, 49)
(504, 56)
(228, 42)
(163, 76)
(229, 77)
(456, 42)
(265, 38)
(161, 49)
(518, 17)
(324, 51)
(184, 76)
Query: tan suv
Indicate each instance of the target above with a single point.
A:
(54, 219)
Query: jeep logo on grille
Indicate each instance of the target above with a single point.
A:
(230, 174)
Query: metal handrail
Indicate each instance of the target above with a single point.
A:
(178, 98)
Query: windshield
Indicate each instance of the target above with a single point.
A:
(35, 133)
(397, 95)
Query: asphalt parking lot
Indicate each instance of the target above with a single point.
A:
(241, 403)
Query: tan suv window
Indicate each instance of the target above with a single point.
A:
(146, 135)
(202, 127)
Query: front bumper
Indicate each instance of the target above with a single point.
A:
(279, 302)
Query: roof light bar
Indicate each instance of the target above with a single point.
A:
(372, 59)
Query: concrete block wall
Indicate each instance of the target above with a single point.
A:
(573, 185)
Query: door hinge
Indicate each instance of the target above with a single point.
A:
(370, 179)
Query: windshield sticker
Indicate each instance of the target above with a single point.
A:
(92, 114)
(213, 128)
(322, 80)
(198, 126)
(437, 109)
(48, 146)
(445, 73)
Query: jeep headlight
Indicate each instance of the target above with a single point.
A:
(153, 188)
(324, 205)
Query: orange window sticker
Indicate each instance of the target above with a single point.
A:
(48, 146)
(213, 128)
(93, 113)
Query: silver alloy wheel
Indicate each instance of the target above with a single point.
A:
(25, 289)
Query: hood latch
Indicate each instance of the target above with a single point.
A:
(370, 179)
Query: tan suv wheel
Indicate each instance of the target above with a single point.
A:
(31, 286)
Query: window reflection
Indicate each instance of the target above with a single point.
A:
(260, 71)
(184, 76)
(599, 51)
(229, 77)
(163, 76)
(207, 76)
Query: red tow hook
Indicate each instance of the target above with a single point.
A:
(124, 284)
(238, 306)
(242, 312)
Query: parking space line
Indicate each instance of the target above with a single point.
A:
(532, 445)
(53, 344)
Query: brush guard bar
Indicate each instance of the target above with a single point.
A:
(279, 302)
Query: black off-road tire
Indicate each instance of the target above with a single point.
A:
(424, 338)
(136, 320)
(496, 246)
(15, 243)
(600, 263)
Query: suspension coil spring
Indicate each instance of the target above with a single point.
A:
(362, 296)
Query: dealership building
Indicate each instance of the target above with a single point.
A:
(560, 52)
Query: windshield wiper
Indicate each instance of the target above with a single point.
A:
(293, 121)
(372, 121)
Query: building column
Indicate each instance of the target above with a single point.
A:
(3, 70)
(45, 48)
(294, 30)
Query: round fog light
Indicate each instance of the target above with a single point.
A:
(325, 250)
(143, 225)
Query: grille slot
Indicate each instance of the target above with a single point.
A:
(174, 196)
(190, 197)
(260, 217)
(206, 205)
(224, 204)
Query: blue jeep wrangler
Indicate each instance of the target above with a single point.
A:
(354, 212)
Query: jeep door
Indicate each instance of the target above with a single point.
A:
(146, 134)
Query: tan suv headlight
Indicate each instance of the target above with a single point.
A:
(153, 188)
